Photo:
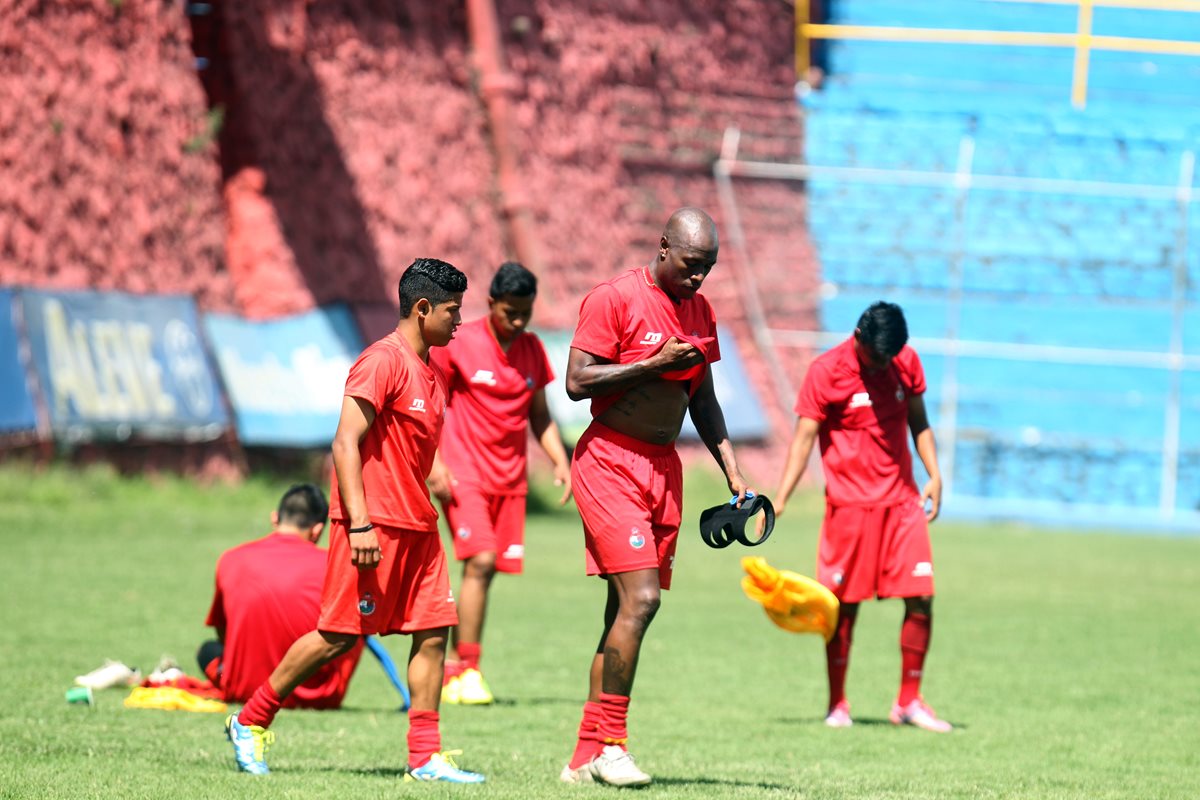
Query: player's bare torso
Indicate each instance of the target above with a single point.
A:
(652, 411)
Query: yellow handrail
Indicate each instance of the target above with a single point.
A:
(1083, 41)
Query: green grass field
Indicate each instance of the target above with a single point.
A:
(1069, 662)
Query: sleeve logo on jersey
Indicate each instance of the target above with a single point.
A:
(899, 394)
(860, 400)
(484, 376)
(652, 337)
(418, 405)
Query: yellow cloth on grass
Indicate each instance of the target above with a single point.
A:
(170, 698)
(793, 602)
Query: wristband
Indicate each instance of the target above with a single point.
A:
(363, 529)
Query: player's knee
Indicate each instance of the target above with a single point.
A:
(919, 605)
(337, 644)
(481, 566)
(642, 604)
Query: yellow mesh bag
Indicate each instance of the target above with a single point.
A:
(792, 601)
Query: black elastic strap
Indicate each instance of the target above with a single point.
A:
(721, 526)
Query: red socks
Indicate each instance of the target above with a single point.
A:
(914, 644)
(837, 658)
(469, 654)
(424, 737)
(261, 708)
(614, 709)
(589, 744)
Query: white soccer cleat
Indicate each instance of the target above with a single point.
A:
(578, 775)
(113, 673)
(918, 714)
(839, 716)
(167, 670)
(615, 767)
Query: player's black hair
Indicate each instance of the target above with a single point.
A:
(882, 328)
(513, 279)
(431, 279)
(303, 505)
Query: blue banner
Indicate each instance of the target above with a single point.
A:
(744, 418)
(285, 377)
(119, 365)
(16, 404)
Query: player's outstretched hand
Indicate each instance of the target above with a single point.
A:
(562, 477)
(761, 522)
(931, 499)
(364, 549)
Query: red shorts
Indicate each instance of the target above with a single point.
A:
(875, 551)
(629, 494)
(408, 591)
(481, 522)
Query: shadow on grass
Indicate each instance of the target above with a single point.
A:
(865, 722)
(660, 780)
(539, 701)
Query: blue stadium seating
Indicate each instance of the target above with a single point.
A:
(1054, 268)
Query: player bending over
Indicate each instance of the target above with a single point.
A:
(861, 399)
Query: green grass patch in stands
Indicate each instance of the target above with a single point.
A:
(1067, 661)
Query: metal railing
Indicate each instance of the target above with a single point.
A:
(1082, 41)
(951, 346)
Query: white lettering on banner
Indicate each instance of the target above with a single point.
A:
(311, 383)
(185, 359)
(105, 370)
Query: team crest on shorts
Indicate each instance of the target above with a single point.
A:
(837, 578)
(464, 533)
(366, 604)
(636, 540)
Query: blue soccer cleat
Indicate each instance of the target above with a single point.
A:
(442, 768)
(250, 744)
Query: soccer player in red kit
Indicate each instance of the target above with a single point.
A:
(387, 570)
(861, 399)
(268, 595)
(641, 352)
(496, 372)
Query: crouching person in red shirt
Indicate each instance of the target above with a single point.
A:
(387, 571)
(268, 595)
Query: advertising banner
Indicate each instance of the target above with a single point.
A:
(16, 404)
(744, 417)
(114, 365)
(285, 377)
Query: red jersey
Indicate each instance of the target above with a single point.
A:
(864, 425)
(268, 595)
(628, 319)
(409, 398)
(487, 413)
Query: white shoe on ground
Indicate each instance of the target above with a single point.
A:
(615, 767)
